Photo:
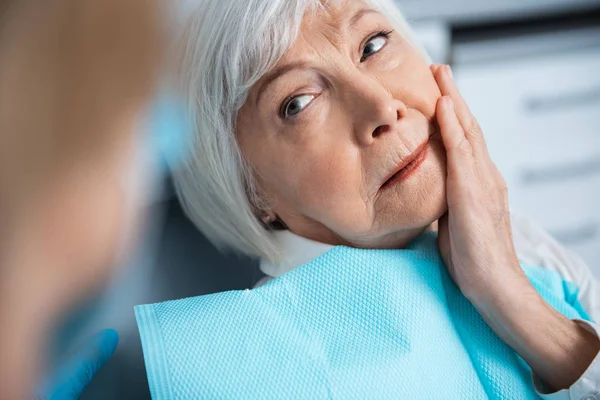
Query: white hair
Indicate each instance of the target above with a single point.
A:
(225, 47)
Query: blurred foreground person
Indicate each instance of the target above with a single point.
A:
(76, 79)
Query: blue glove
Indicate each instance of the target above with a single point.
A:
(72, 377)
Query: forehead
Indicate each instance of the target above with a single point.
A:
(333, 23)
(333, 14)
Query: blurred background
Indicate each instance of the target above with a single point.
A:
(530, 70)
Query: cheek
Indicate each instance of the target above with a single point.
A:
(417, 87)
(326, 186)
(305, 171)
(429, 94)
(327, 179)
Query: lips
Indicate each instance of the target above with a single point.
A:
(403, 170)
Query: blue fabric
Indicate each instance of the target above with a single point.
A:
(351, 324)
(169, 129)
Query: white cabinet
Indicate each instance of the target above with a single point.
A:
(478, 10)
(541, 117)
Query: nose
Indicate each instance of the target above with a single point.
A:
(375, 112)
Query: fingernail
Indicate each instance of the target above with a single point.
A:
(449, 70)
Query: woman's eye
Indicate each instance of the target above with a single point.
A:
(295, 105)
(373, 46)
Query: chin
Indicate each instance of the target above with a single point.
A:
(432, 202)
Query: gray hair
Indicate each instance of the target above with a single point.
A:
(225, 47)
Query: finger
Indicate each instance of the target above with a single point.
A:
(445, 81)
(76, 373)
(473, 133)
(434, 68)
(93, 356)
(458, 149)
(444, 240)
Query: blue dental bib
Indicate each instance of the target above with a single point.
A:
(350, 324)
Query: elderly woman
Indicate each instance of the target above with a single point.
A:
(322, 123)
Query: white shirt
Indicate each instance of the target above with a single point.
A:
(533, 246)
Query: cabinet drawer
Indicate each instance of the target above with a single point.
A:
(561, 202)
(516, 97)
(538, 111)
(570, 213)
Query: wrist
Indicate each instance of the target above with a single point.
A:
(556, 348)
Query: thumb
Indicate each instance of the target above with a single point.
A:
(444, 241)
(77, 372)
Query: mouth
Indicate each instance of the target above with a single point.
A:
(407, 167)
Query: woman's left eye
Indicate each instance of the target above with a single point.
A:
(295, 105)
(374, 45)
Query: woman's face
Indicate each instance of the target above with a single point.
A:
(348, 105)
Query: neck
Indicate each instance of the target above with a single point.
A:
(396, 240)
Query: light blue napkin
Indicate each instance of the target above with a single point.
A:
(351, 324)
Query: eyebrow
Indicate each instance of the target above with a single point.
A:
(359, 14)
(278, 72)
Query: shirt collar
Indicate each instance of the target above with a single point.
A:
(296, 250)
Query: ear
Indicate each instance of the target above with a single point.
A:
(268, 218)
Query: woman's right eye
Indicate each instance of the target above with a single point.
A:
(296, 104)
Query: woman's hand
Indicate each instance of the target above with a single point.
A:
(476, 235)
(476, 244)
